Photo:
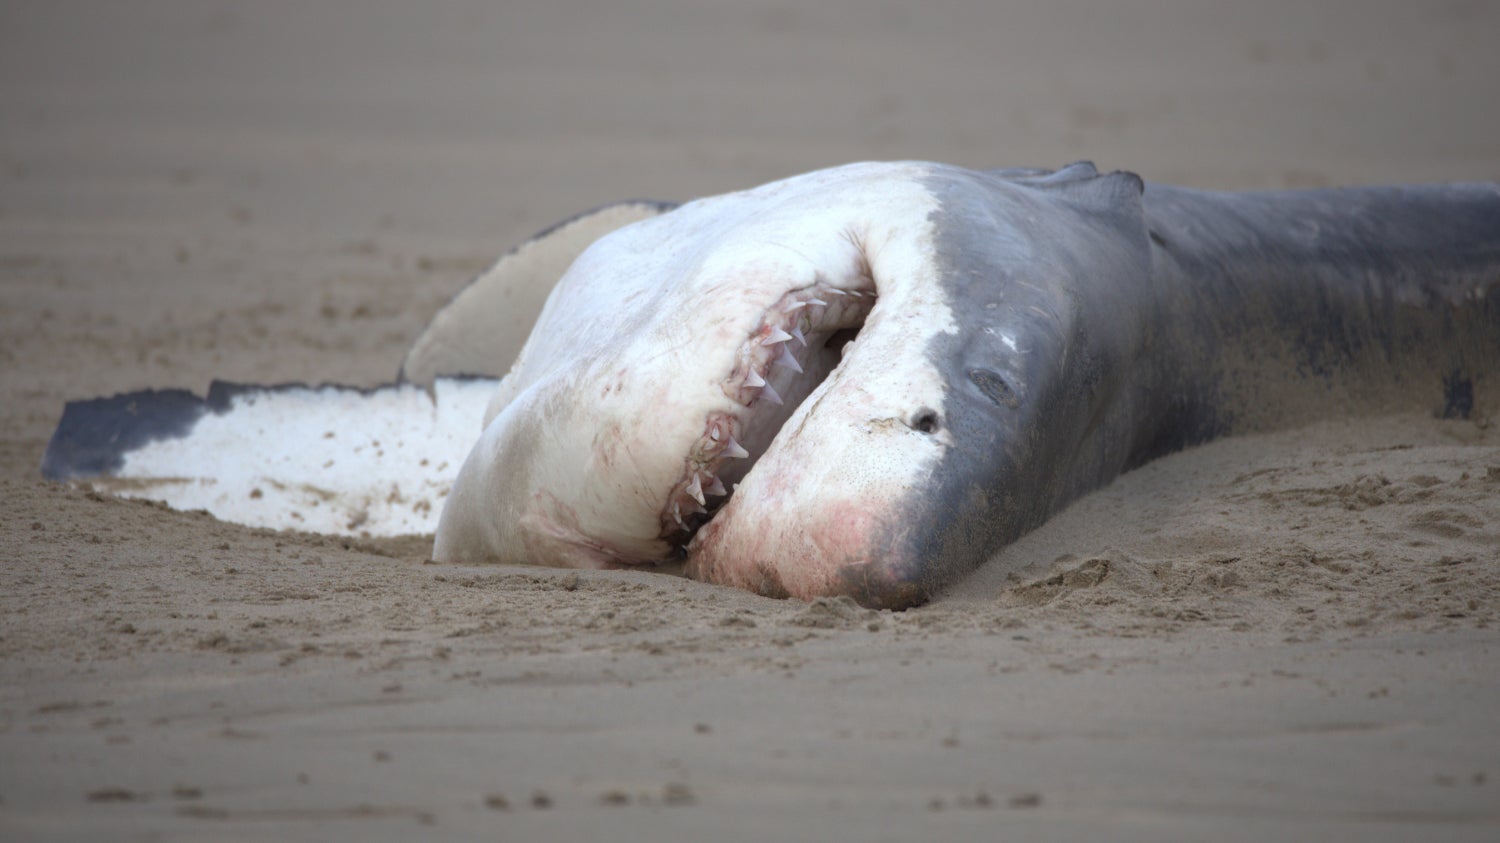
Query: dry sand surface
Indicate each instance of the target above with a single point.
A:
(1287, 636)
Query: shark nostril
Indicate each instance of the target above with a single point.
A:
(925, 421)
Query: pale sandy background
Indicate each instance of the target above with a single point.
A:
(1281, 637)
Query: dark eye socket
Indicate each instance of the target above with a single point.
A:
(925, 421)
(993, 386)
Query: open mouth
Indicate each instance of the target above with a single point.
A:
(799, 342)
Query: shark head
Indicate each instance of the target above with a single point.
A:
(858, 381)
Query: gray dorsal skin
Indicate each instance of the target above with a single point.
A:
(1104, 323)
(481, 330)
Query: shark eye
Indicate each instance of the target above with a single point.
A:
(925, 421)
(993, 386)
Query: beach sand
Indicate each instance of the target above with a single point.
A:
(1283, 636)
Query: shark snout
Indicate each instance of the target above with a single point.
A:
(845, 547)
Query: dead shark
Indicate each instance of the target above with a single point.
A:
(866, 380)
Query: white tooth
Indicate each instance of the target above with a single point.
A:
(817, 301)
(796, 307)
(714, 433)
(777, 336)
(696, 510)
(695, 489)
(676, 515)
(716, 488)
(837, 292)
(786, 361)
(797, 335)
(734, 450)
(754, 380)
(769, 393)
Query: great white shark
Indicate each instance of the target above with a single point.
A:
(866, 380)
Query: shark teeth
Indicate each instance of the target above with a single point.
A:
(768, 392)
(804, 315)
(787, 361)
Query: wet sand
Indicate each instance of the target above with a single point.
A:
(1288, 635)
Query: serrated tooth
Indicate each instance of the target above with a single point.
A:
(754, 380)
(768, 392)
(716, 488)
(797, 335)
(733, 450)
(777, 335)
(787, 361)
(695, 488)
(696, 509)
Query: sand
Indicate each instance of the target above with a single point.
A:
(1289, 635)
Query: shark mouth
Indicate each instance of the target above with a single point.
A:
(800, 341)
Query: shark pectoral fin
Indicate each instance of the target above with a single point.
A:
(328, 459)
